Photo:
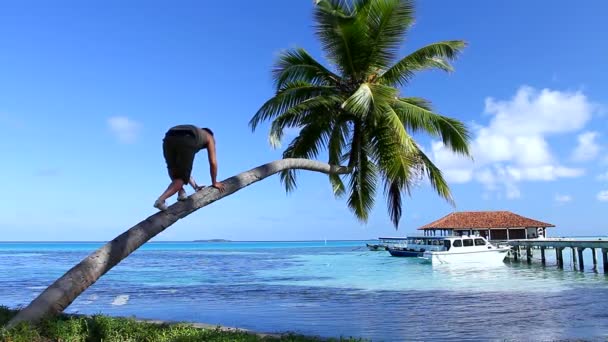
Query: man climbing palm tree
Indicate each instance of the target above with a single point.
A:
(180, 145)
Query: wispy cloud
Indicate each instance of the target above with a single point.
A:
(562, 198)
(513, 148)
(124, 129)
(603, 196)
(587, 148)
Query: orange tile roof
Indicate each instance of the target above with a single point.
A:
(484, 219)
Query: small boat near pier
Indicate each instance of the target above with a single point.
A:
(467, 249)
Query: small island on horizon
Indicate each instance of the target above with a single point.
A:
(213, 240)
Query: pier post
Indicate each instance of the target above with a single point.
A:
(605, 259)
(516, 253)
(573, 257)
(542, 256)
(581, 264)
(594, 259)
(560, 257)
(529, 254)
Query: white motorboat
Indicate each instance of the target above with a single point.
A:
(467, 249)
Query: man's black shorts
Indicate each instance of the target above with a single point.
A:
(179, 152)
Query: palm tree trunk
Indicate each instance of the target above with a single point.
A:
(65, 289)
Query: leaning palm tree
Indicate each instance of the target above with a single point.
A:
(356, 111)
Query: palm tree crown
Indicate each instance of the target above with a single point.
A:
(356, 112)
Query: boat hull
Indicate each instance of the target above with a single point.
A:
(490, 256)
(375, 247)
(397, 252)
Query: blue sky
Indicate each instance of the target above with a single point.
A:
(87, 90)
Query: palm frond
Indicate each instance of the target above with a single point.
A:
(415, 117)
(311, 139)
(298, 115)
(291, 95)
(337, 142)
(435, 177)
(296, 65)
(343, 34)
(387, 22)
(362, 186)
(436, 55)
(392, 191)
(392, 148)
(418, 101)
(368, 96)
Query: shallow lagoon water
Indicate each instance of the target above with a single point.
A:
(334, 289)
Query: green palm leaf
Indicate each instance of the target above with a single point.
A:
(414, 116)
(356, 112)
(392, 191)
(387, 22)
(291, 95)
(297, 65)
(368, 97)
(431, 56)
(299, 114)
(337, 142)
(435, 177)
(343, 34)
(362, 186)
(312, 137)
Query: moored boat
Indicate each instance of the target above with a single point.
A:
(404, 252)
(385, 242)
(415, 246)
(467, 249)
(375, 247)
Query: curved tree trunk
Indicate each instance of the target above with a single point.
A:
(65, 289)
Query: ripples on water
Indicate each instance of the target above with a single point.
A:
(335, 290)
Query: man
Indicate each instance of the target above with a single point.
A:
(180, 145)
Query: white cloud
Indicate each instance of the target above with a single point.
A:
(562, 198)
(587, 148)
(125, 129)
(602, 196)
(512, 147)
(603, 176)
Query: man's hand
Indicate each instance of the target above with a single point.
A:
(219, 186)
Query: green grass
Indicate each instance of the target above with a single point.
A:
(109, 329)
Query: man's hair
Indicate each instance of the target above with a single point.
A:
(207, 130)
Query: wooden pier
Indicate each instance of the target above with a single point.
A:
(559, 244)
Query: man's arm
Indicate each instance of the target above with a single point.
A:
(213, 165)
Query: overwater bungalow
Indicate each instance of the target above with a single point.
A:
(492, 225)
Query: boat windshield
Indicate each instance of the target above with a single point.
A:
(480, 242)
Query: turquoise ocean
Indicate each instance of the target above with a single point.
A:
(323, 288)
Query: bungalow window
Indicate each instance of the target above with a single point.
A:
(467, 242)
(480, 242)
(457, 243)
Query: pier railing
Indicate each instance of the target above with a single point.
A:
(559, 244)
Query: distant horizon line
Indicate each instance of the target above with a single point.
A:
(204, 240)
(228, 241)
